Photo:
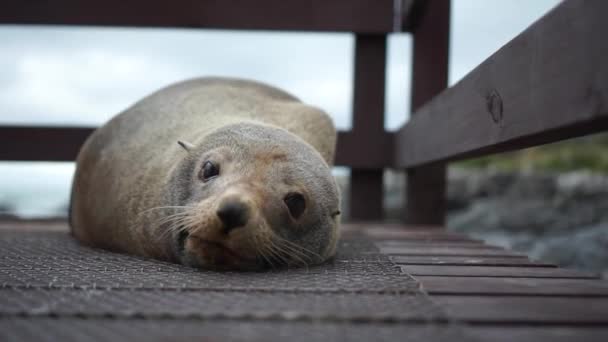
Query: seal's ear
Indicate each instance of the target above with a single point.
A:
(186, 145)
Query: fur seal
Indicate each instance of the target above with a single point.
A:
(214, 173)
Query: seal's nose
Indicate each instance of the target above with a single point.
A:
(234, 214)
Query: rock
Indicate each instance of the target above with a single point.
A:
(560, 218)
(504, 214)
(465, 185)
(586, 249)
(537, 186)
(582, 183)
(7, 212)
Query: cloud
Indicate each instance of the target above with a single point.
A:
(92, 73)
(480, 28)
(67, 89)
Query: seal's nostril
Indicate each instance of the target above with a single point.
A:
(233, 214)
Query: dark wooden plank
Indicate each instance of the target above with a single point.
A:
(369, 84)
(422, 237)
(371, 16)
(431, 40)
(22, 143)
(496, 271)
(366, 194)
(466, 261)
(409, 12)
(513, 286)
(525, 310)
(366, 187)
(547, 84)
(426, 187)
(357, 151)
(448, 251)
(413, 234)
(498, 333)
(425, 195)
(398, 227)
(468, 244)
(41, 143)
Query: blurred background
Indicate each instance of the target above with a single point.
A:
(549, 201)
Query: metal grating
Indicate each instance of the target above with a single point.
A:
(52, 288)
(222, 330)
(219, 305)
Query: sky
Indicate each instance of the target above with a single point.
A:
(74, 76)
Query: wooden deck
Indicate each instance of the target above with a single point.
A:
(388, 282)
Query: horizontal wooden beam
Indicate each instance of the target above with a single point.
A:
(360, 153)
(550, 83)
(22, 143)
(41, 143)
(364, 16)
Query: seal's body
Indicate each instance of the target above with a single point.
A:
(248, 185)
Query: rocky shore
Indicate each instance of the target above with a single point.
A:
(554, 217)
(560, 218)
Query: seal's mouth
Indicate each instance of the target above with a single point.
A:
(216, 255)
(215, 246)
(203, 251)
(219, 250)
(199, 251)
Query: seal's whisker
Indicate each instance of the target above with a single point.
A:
(282, 252)
(285, 245)
(175, 228)
(294, 248)
(285, 254)
(173, 217)
(300, 258)
(272, 251)
(166, 207)
(175, 223)
(290, 251)
(277, 254)
(279, 250)
(267, 256)
(168, 220)
(300, 248)
(261, 251)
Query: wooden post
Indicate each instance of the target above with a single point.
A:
(368, 123)
(426, 185)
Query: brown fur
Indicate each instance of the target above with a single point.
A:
(132, 164)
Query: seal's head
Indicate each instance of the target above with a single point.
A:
(253, 196)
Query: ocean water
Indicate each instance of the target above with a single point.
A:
(35, 189)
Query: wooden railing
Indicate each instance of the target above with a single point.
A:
(549, 83)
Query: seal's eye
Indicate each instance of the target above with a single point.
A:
(209, 171)
(296, 204)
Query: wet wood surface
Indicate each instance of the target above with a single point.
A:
(500, 294)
